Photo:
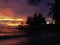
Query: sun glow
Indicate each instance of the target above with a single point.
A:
(12, 24)
(10, 21)
(8, 17)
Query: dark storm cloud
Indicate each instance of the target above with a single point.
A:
(34, 2)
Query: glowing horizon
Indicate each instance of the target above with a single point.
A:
(7, 19)
(10, 21)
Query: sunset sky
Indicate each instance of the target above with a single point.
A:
(23, 8)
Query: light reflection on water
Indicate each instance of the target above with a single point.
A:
(15, 41)
(45, 37)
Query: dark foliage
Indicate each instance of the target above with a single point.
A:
(29, 20)
(41, 33)
(55, 11)
(36, 20)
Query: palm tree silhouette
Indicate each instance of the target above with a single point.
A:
(55, 11)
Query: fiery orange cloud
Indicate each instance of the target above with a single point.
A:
(7, 16)
(7, 13)
(11, 22)
(10, 19)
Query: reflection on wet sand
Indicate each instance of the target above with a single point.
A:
(11, 32)
(15, 38)
(15, 41)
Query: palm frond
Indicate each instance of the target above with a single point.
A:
(51, 4)
(51, 13)
(52, 7)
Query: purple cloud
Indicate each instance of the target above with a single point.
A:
(21, 9)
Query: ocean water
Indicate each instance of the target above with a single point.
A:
(15, 41)
(4, 31)
(44, 38)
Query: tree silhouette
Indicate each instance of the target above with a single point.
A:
(56, 11)
(29, 20)
(35, 23)
(41, 19)
(36, 20)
